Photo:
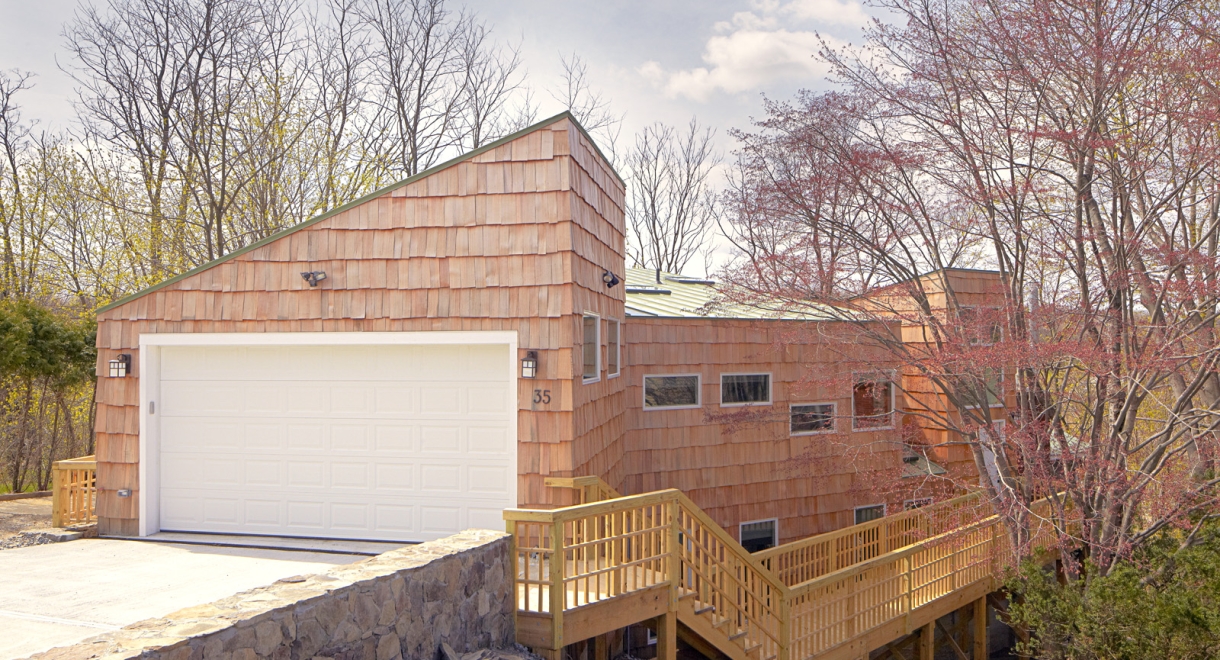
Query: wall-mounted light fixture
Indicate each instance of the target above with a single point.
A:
(529, 364)
(120, 366)
(313, 277)
(610, 279)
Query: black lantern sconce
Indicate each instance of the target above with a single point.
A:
(313, 277)
(120, 366)
(529, 365)
(610, 279)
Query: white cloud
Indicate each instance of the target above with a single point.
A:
(752, 50)
(845, 13)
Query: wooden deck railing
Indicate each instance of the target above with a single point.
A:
(589, 489)
(574, 558)
(806, 559)
(74, 491)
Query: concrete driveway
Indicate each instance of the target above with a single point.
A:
(59, 594)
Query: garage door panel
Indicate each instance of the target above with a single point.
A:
(376, 442)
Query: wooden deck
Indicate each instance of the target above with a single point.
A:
(840, 595)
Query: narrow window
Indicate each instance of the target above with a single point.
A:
(744, 389)
(592, 349)
(812, 418)
(759, 534)
(989, 387)
(612, 348)
(872, 404)
(866, 513)
(917, 503)
(671, 391)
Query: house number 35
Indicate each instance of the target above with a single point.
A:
(542, 396)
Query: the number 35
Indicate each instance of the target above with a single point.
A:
(542, 396)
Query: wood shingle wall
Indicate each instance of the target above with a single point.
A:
(513, 238)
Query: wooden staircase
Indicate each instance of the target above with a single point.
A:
(613, 561)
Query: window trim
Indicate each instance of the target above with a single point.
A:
(859, 376)
(774, 530)
(855, 509)
(999, 395)
(644, 392)
(834, 418)
(913, 503)
(597, 327)
(969, 309)
(770, 389)
(618, 348)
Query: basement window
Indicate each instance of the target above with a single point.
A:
(680, 391)
(745, 389)
(872, 402)
(592, 348)
(809, 418)
(759, 535)
(868, 513)
(917, 503)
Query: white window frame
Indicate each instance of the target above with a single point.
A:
(917, 503)
(618, 349)
(999, 395)
(770, 389)
(980, 342)
(884, 512)
(774, 529)
(834, 418)
(860, 376)
(597, 326)
(644, 392)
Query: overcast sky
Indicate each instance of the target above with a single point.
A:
(656, 60)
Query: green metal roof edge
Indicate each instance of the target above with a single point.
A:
(361, 200)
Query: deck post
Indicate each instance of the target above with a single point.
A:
(927, 642)
(511, 528)
(557, 587)
(59, 499)
(674, 559)
(980, 629)
(667, 636)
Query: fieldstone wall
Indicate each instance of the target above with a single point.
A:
(406, 603)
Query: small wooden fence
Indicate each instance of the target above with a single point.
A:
(74, 489)
(887, 573)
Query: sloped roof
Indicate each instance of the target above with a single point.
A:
(661, 294)
(369, 197)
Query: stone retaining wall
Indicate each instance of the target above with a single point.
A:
(402, 604)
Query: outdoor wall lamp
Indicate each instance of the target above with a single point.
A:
(529, 364)
(313, 277)
(120, 366)
(610, 279)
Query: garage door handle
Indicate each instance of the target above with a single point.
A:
(152, 407)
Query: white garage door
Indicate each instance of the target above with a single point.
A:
(402, 443)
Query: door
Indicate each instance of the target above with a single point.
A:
(386, 442)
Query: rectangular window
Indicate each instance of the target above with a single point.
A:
(612, 348)
(592, 348)
(917, 503)
(990, 388)
(744, 389)
(671, 391)
(759, 534)
(982, 326)
(866, 513)
(812, 418)
(872, 404)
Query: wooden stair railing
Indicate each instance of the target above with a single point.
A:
(589, 489)
(589, 569)
(74, 491)
(808, 558)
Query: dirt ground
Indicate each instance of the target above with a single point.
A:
(20, 515)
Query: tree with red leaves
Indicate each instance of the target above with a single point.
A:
(1072, 148)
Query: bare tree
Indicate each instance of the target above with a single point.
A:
(491, 81)
(587, 105)
(672, 207)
